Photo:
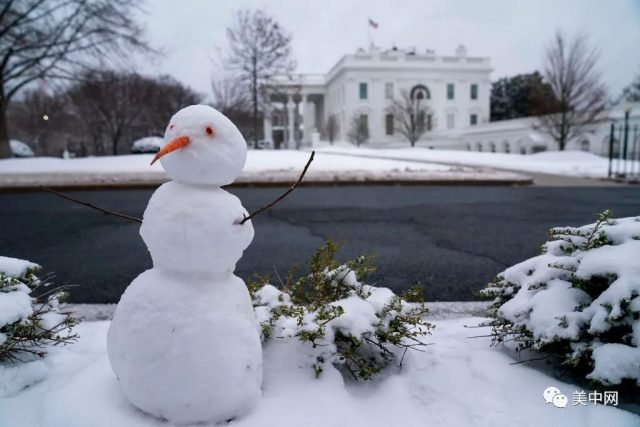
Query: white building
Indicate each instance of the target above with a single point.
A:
(521, 136)
(455, 89)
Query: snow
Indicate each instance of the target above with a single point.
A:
(458, 381)
(15, 305)
(15, 267)
(150, 144)
(614, 362)
(571, 163)
(262, 166)
(20, 149)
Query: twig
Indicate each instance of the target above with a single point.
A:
(530, 360)
(89, 205)
(285, 194)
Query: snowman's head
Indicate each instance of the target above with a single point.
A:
(202, 146)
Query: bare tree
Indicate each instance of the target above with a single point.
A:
(411, 117)
(54, 38)
(165, 96)
(231, 98)
(332, 128)
(108, 105)
(38, 118)
(580, 97)
(114, 108)
(358, 129)
(259, 49)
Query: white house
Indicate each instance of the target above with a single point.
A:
(455, 89)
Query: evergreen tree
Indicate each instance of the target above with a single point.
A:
(522, 95)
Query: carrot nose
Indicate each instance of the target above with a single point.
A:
(179, 142)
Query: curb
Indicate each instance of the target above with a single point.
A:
(275, 184)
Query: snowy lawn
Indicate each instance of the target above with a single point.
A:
(263, 166)
(571, 163)
(458, 381)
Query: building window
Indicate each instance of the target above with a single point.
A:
(428, 122)
(388, 90)
(492, 147)
(388, 124)
(507, 148)
(468, 147)
(450, 91)
(363, 91)
(474, 91)
(451, 121)
(479, 146)
(473, 119)
(584, 145)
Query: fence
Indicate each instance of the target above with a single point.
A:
(624, 150)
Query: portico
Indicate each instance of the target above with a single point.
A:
(294, 111)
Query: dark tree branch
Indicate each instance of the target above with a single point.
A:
(89, 205)
(285, 194)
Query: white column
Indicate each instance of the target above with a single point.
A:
(266, 125)
(306, 132)
(291, 141)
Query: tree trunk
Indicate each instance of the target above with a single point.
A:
(254, 96)
(5, 148)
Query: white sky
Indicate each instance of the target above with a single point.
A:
(513, 33)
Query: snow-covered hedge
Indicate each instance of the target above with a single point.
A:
(150, 144)
(20, 149)
(359, 328)
(28, 325)
(579, 300)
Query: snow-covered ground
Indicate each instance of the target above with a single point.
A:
(457, 381)
(263, 166)
(570, 163)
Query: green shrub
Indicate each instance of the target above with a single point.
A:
(361, 329)
(579, 301)
(28, 324)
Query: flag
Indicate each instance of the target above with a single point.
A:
(373, 24)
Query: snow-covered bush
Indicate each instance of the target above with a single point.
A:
(28, 324)
(579, 300)
(150, 144)
(359, 328)
(20, 149)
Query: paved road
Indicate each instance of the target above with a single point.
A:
(452, 239)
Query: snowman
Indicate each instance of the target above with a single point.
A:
(184, 341)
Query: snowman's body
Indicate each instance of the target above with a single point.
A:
(184, 341)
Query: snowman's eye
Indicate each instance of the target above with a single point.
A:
(209, 130)
(171, 127)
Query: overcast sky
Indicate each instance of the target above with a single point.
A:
(512, 33)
